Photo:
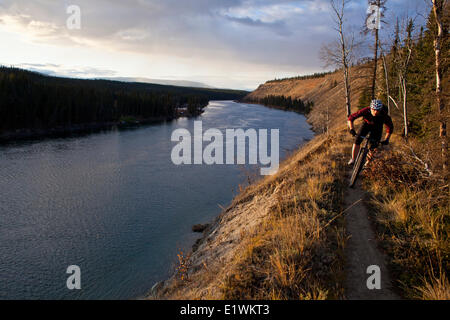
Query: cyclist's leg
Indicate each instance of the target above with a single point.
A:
(375, 138)
(363, 131)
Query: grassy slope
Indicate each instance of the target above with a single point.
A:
(411, 212)
(409, 204)
(283, 237)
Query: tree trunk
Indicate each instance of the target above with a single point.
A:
(374, 77)
(386, 75)
(346, 72)
(347, 91)
(438, 7)
(345, 50)
(405, 108)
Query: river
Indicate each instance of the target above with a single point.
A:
(114, 204)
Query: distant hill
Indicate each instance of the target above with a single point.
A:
(33, 101)
(179, 83)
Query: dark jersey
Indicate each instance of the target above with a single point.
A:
(377, 121)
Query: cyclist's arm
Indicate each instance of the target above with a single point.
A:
(350, 124)
(355, 116)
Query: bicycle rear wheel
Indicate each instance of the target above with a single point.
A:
(358, 165)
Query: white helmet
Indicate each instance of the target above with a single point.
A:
(376, 105)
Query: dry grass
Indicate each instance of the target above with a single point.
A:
(298, 255)
(295, 249)
(412, 213)
(394, 207)
(282, 238)
(435, 289)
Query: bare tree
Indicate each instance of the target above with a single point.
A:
(401, 61)
(381, 8)
(403, 74)
(438, 10)
(386, 76)
(385, 54)
(340, 53)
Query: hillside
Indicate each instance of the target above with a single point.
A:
(303, 234)
(326, 92)
(283, 237)
(289, 236)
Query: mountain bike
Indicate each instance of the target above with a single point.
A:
(360, 160)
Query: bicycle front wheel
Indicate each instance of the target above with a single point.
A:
(358, 166)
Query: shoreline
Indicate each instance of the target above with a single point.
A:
(85, 128)
(20, 135)
(212, 226)
(275, 107)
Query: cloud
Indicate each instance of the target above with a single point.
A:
(279, 27)
(190, 26)
(59, 70)
(132, 34)
(210, 36)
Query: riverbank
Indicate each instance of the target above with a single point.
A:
(284, 228)
(36, 134)
(280, 238)
(86, 128)
(275, 107)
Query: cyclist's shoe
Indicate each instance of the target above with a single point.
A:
(366, 165)
(351, 162)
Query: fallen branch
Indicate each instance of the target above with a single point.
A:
(340, 214)
(395, 103)
(426, 167)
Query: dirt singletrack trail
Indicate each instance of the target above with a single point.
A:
(362, 251)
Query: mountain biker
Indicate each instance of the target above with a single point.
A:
(374, 117)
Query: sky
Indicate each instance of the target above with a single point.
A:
(235, 44)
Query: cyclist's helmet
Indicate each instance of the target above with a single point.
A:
(376, 105)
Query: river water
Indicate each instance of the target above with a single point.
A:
(114, 204)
